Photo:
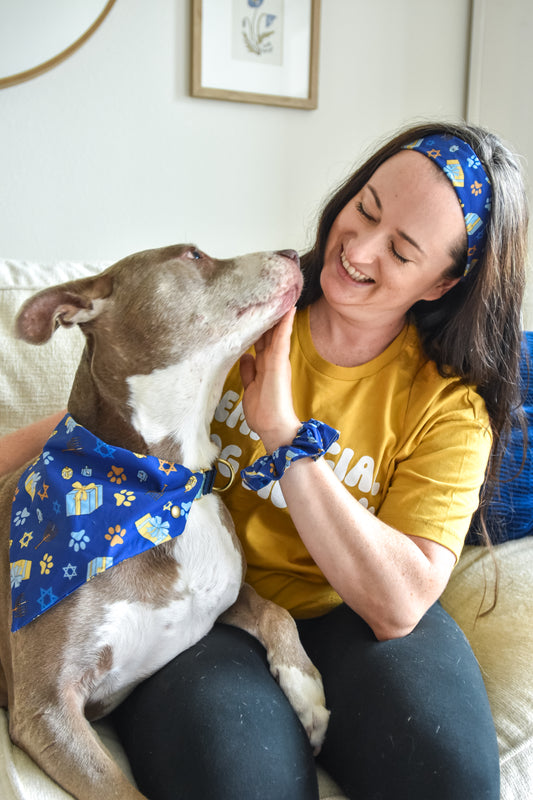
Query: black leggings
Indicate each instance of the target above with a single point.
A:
(409, 718)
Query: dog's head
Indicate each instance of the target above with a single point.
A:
(165, 313)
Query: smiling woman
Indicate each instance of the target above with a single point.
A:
(390, 247)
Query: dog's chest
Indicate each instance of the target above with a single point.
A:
(144, 636)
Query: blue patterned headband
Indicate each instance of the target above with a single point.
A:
(470, 181)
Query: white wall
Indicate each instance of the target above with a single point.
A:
(107, 153)
(501, 84)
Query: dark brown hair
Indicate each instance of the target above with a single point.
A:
(474, 331)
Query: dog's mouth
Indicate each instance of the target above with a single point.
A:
(278, 305)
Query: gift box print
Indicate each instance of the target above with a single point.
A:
(83, 499)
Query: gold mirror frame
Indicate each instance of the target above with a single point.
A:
(19, 77)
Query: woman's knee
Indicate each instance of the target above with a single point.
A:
(214, 723)
(409, 717)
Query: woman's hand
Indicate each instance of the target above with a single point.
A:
(267, 401)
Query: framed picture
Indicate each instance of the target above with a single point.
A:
(256, 51)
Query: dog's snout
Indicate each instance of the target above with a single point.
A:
(292, 254)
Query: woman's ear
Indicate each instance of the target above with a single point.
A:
(444, 285)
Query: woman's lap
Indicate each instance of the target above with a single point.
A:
(410, 718)
(213, 723)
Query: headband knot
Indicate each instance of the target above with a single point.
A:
(472, 186)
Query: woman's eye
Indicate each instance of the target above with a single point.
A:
(396, 255)
(364, 213)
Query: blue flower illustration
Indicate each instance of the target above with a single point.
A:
(254, 30)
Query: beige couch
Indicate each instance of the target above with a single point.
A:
(35, 381)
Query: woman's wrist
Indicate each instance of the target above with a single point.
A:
(281, 436)
(312, 440)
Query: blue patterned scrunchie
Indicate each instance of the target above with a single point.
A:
(311, 441)
(470, 181)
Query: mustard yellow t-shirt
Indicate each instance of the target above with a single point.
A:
(413, 448)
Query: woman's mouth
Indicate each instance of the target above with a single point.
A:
(355, 274)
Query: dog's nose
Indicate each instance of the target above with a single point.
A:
(292, 254)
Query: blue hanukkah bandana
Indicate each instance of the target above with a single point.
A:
(472, 186)
(312, 441)
(83, 506)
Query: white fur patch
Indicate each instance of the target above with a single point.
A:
(306, 695)
(144, 638)
(86, 314)
(179, 401)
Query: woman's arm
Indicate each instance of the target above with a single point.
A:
(389, 578)
(20, 446)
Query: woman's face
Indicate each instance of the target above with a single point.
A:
(392, 243)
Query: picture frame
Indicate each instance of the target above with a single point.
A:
(256, 51)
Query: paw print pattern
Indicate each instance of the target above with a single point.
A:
(118, 505)
(124, 497)
(116, 474)
(46, 564)
(21, 516)
(79, 540)
(115, 535)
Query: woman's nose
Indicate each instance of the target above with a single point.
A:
(363, 248)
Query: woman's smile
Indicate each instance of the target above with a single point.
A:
(392, 243)
(355, 274)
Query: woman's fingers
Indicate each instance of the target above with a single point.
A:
(247, 369)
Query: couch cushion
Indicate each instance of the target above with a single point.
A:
(502, 641)
(35, 381)
(510, 512)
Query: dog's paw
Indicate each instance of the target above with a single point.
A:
(305, 693)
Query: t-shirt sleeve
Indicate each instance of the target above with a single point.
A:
(435, 489)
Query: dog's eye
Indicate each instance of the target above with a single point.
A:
(194, 254)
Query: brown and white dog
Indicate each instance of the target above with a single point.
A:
(162, 329)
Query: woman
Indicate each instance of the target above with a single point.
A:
(406, 341)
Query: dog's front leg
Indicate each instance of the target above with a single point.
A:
(274, 627)
(62, 742)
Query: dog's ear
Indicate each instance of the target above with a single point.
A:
(68, 304)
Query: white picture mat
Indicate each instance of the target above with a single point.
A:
(221, 71)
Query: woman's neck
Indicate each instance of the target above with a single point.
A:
(349, 341)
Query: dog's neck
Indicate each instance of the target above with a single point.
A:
(166, 413)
